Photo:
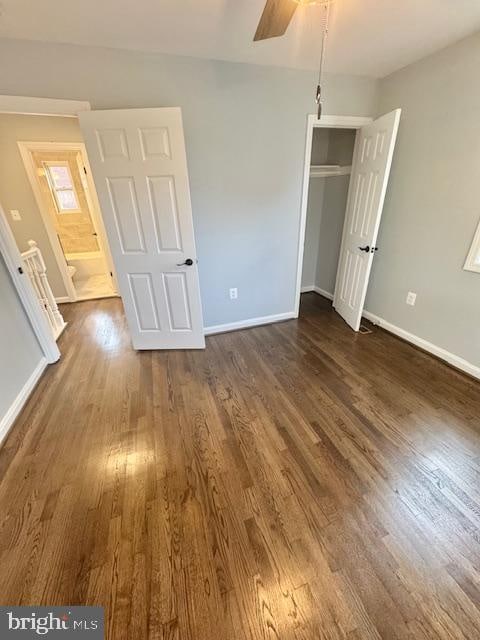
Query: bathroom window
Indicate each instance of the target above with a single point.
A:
(473, 258)
(61, 185)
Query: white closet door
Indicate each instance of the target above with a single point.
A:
(139, 166)
(368, 184)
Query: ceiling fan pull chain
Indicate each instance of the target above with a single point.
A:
(318, 100)
(318, 97)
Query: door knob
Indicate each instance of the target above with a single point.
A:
(188, 262)
(366, 249)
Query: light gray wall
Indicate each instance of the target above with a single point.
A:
(341, 146)
(320, 141)
(433, 202)
(245, 135)
(330, 232)
(15, 189)
(316, 191)
(19, 350)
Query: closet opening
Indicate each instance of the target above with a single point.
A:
(347, 166)
(330, 166)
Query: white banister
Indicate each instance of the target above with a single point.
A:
(37, 272)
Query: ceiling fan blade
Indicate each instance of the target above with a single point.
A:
(275, 19)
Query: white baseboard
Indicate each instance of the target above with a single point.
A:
(9, 418)
(59, 332)
(321, 292)
(251, 322)
(439, 352)
(62, 299)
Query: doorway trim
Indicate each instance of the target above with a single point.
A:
(28, 298)
(33, 106)
(24, 105)
(26, 149)
(27, 106)
(326, 122)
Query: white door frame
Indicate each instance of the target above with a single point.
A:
(32, 106)
(326, 122)
(28, 297)
(26, 149)
(23, 105)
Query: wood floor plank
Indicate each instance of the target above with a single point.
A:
(291, 482)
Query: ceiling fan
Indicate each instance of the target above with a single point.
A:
(277, 15)
(274, 21)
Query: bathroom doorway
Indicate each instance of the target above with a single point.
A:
(59, 176)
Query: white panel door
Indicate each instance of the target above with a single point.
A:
(368, 184)
(139, 166)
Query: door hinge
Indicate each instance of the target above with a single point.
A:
(111, 274)
(85, 170)
(20, 270)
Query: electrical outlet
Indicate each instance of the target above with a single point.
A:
(411, 298)
(233, 293)
(15, 214)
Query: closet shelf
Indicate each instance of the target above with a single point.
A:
(326, 170)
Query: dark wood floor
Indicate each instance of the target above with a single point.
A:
(295, 481)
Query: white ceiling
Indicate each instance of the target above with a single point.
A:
(367, 37)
